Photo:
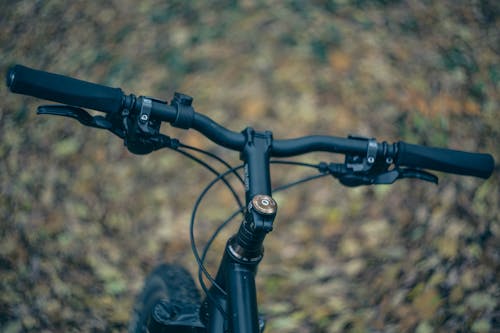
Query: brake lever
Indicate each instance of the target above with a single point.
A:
(419, 174)
(140, 138)
(400, 173)
(350, 178)
(76, 113)
(81, 115)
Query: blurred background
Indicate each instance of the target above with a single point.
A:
(82, 220)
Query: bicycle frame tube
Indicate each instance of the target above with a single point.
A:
(244, 250)
(242, 298)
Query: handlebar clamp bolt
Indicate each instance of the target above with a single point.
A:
(144, 118)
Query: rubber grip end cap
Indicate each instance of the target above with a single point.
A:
(11, 76)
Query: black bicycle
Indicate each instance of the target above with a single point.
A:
(170, 301)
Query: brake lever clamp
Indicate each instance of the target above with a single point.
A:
(358, 163)
(142, 132)
(360, 170)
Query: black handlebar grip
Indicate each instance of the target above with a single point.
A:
(63, 89)
(446, 160)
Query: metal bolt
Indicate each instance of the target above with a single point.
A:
(144, 117)
(371, 159)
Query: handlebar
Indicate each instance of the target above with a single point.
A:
(179, 113)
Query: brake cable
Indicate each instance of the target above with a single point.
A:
(200, 259)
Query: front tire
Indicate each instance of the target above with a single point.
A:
(166, 282)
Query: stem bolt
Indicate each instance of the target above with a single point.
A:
(264, 204)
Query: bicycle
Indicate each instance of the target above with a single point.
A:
(170, 300)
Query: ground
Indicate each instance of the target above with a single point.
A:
(83, 220)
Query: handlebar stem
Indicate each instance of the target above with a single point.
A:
(256, 154)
